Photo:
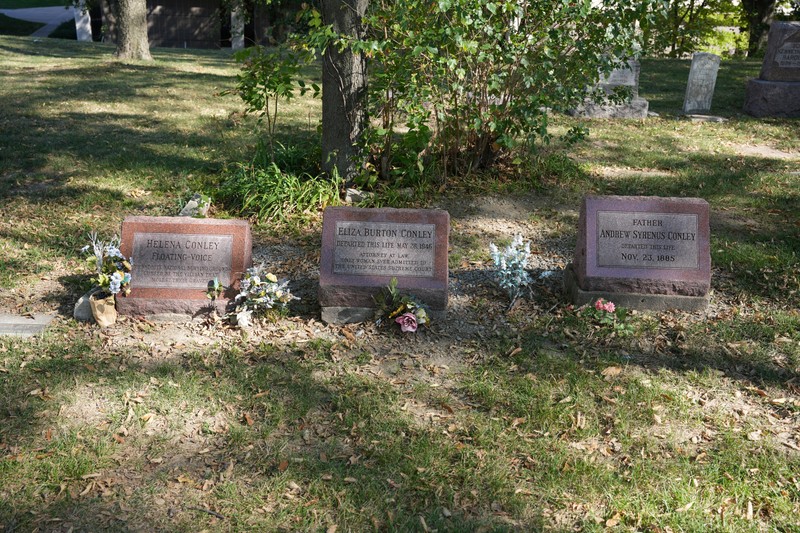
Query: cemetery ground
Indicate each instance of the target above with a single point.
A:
(495, 419)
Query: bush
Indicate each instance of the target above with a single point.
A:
(264, 192)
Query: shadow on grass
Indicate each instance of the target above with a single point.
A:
(334, 443)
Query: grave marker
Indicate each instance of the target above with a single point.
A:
(776, 93)
(627, 78)
(642, 252)
(700, 86)
(174, 259)
(363, 249)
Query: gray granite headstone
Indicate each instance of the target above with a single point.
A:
(83, 22)
(625, 78)
(701, 83)
(776, 93)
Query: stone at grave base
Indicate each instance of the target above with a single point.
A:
(364, 297)
(772, 99)
(24, 326)
(631, 300)
(636, 108)
(181, 309)
(694, 117)
(195, 207)
(349, 315)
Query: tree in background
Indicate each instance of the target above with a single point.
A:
(686, 25)
(757, 15)
(344, 89)
(127, 22)
(454, 86)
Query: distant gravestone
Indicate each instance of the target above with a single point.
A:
(642, 252)
(83, 22)
(622, 78)
(175, 258)
(776, 93)
(363, 249)
(701, 83)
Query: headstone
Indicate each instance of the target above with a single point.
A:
(621, 78)
(700, 86)
(24, 326)
(776, 93)
(642, 252)
(83, 22)
(363, 249)
(237, 26)
(175, 258)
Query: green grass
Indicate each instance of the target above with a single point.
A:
(12, 26)
(544, 420)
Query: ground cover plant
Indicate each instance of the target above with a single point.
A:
(537, 417)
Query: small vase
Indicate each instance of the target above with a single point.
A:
(103, 309)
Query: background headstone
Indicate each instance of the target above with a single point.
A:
(642, 252)
(83, 22)
(363, 249)
(626, 78)
(701, 83)
(174, 259)
(777, 91)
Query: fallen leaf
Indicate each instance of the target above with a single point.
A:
(146, 417)
(283, 466)
(350, 480)
(332, 528)
(248, 419)
(611, 372)
(684, 508)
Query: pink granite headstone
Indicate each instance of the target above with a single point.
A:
(634, 246)
(175, 258)
(363, 249)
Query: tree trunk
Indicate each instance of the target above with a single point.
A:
(132, 40)
(344, 91)
(758, 15)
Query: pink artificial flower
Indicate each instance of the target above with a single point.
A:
(599, 305)
(610, 307)
(408, 322)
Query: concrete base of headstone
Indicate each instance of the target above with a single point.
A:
(636, 108)
(772, 99)
(705, 118)
(176, 310)
(24, 326)
(631, 300)
(349, 315)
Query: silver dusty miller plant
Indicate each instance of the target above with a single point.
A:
(511, 264)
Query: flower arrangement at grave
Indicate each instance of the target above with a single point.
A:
(260, 292)
(605, 314)
(401, 309)
(112, 276)
(511, 264)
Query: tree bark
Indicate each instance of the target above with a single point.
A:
(344, 89)
(131, 35)
(758, 14)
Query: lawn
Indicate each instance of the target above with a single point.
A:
(533, 418)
